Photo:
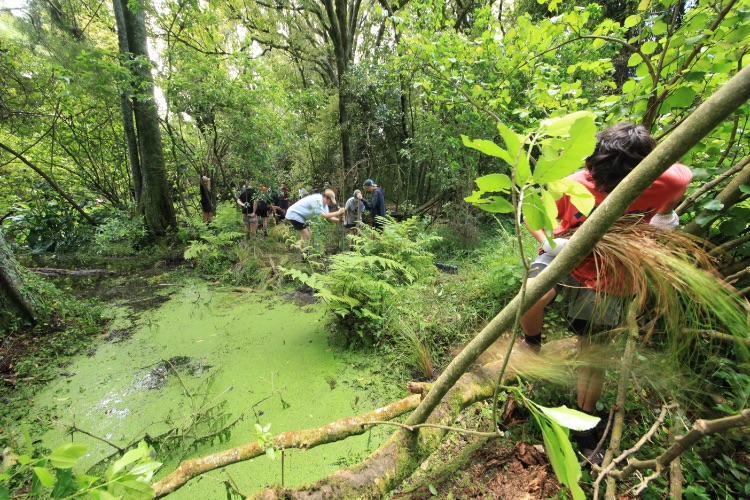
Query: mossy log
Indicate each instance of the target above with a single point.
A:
(304, 439)
(13, 298)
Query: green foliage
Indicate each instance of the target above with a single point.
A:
(121, 233)
(553, 423)
(47, 224)
(361, 286)
(264, 437)
(564, 143)
(54, 477)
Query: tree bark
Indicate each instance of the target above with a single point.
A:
(126, 106)
(13, 298)
(336, 431)
(154, 203)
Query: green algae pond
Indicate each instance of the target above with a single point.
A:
(221, 355)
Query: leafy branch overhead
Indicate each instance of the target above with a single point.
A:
(557, 148)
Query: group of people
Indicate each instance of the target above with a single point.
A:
(259, 204)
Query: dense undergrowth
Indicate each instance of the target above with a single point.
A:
(385, 294)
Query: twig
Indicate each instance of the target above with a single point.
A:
(622, 391)
(74, 428)
(709, 185)
(701, 428)
(644, 484)
(412, 428)
(659, 421)
(600, 444)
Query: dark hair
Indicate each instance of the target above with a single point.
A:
(618, 150)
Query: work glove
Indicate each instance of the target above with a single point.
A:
(559, 244)
(666, 221)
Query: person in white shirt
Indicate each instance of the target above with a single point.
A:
(301, 213)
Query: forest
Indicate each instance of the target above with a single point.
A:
(471, 117)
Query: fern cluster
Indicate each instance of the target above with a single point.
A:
(361, 286)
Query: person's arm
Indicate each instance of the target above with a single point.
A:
(333, 216)
(240, 202)
(255, 206)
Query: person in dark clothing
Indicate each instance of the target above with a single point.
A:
(260, 207)
(246, 199)
(206, 205)
(377, 205)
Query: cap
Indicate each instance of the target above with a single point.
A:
(356, 192)
(368, 182)
(331, 195)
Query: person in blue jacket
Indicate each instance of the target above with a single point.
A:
(376, 206)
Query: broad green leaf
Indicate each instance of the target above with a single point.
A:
(570, 418)
(643, 5)
(496, 204)
(682, 97)
(628, 86)
(102, 495)
(649, 47)
(631, 21)
(45, 477)
(494, 183)
(271, 453)
(24, 459)
(432, 489)
(745, 188)
(704, 219)
(488, 148)
(550, 207)
(713, 205)
(534, 213)
(553, 448)
(574, 150)
(4, 493)
(598, 43)
(634, 59)
(134, 488)
(572, 468)
(580, 197)
(560, 126)
(145, 469)
(67, 455)
(659, 27)
(517, 154)
(128, 458)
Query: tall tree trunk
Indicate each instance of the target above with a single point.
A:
(14, 300)
(126, 106)
(154, 203)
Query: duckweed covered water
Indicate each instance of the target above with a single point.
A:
(258, 356)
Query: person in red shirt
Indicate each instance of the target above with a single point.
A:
(618, 150)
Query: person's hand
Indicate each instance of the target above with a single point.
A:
(559, 244)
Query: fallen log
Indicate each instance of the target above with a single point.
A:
(305, 439)
(48, 271)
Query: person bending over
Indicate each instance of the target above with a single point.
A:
(301, 213)
(594, 306)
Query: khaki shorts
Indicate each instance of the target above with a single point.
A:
(597, 308)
